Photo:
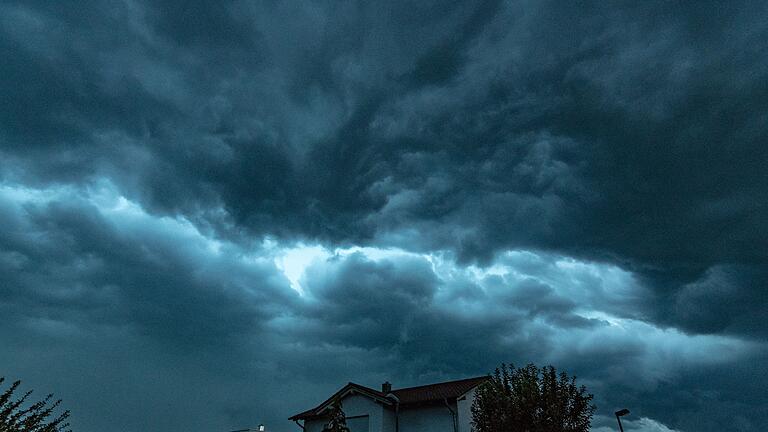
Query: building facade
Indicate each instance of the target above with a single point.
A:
(440, 407)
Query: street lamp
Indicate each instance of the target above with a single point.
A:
(619, 414)
(259, 428)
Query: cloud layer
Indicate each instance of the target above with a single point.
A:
(220, 212)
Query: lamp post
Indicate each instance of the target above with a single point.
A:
(260, 428)
(619, 414)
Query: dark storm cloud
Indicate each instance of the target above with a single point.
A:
(366, 303)
(65, 261)
(140, 318)
(405, 310)
(150, 308)
(573, 135)
(640, 146)
(402, 303)
(629, 137)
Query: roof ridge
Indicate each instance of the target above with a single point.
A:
(442, 382)
(359, 387)
(363, 386)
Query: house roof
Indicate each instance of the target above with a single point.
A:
(349, 388)
(406, 396)
(438, 391)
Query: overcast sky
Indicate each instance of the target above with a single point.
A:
(215, 214)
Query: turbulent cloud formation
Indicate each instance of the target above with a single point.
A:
(215, 213)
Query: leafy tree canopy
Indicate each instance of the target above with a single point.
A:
(531, 399)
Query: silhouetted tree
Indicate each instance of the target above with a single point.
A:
(531, 400)
(35, 417)
(338, 422)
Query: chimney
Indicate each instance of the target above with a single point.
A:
(386, 387)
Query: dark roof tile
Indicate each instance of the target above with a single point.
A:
(437, 392)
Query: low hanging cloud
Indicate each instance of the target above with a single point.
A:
(645, 424)
(182, 303)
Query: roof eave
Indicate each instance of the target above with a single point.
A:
(349, 388)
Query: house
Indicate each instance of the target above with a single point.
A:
(441, 407)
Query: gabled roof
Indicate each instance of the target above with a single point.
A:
(439, 391)
(347, 389)
(406, 396)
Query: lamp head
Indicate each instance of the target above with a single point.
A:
(622, 412)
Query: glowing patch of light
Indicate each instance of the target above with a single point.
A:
(23, 194)
(492, 270)
(120, 205)
(375, 254)
(269, 244)
(111, 205)
(602, 316)
(292, 262)
(117, 207)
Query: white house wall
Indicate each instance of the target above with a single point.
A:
(354, 406)
(464, 411)
(427, 419)
(314, 425)
(433, 418)
(388, 420)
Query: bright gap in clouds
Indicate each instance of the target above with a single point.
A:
(292, 262)
(597, 288)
